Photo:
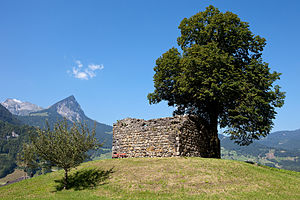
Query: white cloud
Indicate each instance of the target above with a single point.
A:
(84, 73)
(94, 67)
(90, 73)
(79, 64)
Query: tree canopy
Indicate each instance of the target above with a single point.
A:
(63, 147)
(219, 75)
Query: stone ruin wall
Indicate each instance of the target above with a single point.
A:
(163, 137)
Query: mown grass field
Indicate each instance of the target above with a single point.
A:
(167, 178)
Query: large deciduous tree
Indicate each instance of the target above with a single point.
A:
(219, 76)
(64, 147)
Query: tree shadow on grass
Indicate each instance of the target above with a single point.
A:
(84, 179)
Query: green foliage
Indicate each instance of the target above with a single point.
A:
(50, 115)
(219, 76)
(11, 146)
(7, 165)
(62, 147)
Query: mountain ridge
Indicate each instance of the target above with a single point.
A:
(7, 116)
(70, 109)
(18, 107)
(14, 130)
(289, 140)
(262, 153)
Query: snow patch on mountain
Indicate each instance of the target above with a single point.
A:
(17, 101)
(18, 107)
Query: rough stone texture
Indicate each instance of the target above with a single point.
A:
(163, 137)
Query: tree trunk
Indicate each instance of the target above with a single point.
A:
(209, 136)
(214, 142)
(66, 179)
(215, 146)
(211, 133)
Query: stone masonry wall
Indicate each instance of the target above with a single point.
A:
(163, 137)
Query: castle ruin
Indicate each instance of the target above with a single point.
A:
(163, 137)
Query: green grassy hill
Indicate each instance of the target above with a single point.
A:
(163, 178)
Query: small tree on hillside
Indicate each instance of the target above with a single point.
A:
(220, 77)
(62, 147)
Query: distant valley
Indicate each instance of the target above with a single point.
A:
(279, 149)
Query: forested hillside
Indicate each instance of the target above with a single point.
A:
(289, 140)
(273, 156)
(12, 138)
(6, 116)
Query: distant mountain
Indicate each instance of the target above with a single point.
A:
(70, 109)
(12, 136)
(18, 107)
(289, 140)
(6, 116)
(273, 156)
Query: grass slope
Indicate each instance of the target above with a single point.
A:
(13, 176)
(167, 178)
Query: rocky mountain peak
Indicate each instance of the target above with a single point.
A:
(18, 107)
(70, 98)
(70, 109)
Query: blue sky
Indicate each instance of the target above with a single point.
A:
(103, 52)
